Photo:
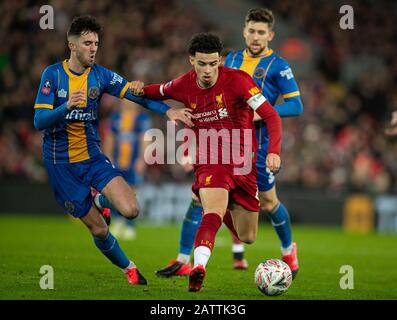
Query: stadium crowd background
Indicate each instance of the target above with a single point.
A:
(337, 144)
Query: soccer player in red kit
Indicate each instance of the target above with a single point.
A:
(221, 100)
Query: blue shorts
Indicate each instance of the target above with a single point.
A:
(71, 182)
(266, 178)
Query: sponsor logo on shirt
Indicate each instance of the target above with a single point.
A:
(223, 113)
(116, 78)
(287, 73)
(79, 114)
(62, 93)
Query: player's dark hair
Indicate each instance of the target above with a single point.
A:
(205, 43)
(84, 24)
(260, 15)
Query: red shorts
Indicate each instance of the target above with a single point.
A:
(243, 189)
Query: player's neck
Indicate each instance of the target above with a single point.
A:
(75, 66)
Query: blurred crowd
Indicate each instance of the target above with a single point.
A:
(337, 144)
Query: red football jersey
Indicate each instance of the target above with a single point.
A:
(224, 111)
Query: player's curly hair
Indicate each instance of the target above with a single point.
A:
(205, 43)
(83, 24)
(260, 15)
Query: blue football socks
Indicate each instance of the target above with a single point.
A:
(111, 249)
(281, 223)
(189, 227)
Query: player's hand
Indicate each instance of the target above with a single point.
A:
(182, 114)
(273, 162)
(392, 129)
(136, 88)
(77, 98)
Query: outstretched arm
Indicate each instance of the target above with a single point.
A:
(156, 106)
(155, 91)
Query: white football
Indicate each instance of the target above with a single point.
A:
(273, 277)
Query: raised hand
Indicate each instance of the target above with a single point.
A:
(76, 99)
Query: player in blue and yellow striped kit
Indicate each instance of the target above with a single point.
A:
(66, 109)
(124, 144)
(274, 76)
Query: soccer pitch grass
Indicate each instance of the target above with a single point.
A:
(81, 272)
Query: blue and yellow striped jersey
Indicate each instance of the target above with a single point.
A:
(271, 73)
(127, 127)
(76, 137)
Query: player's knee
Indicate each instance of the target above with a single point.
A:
(248, 238)
(130, 210)
(268, 205)
(99, 231)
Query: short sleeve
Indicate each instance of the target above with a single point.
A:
(115, 84)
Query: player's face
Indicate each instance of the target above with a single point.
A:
(86, 47)
(257, 36)
(206, 66)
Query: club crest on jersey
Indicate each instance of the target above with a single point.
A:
(62, 93)
(193, 105)
(259, 73)
(219, 101)
(93, 92)
(46, 89)
(208, 180)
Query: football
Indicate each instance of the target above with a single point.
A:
(273, 277)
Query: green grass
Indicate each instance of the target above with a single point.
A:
(81, 272)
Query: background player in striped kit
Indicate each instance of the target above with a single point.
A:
(124, 145)
(274, 76)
